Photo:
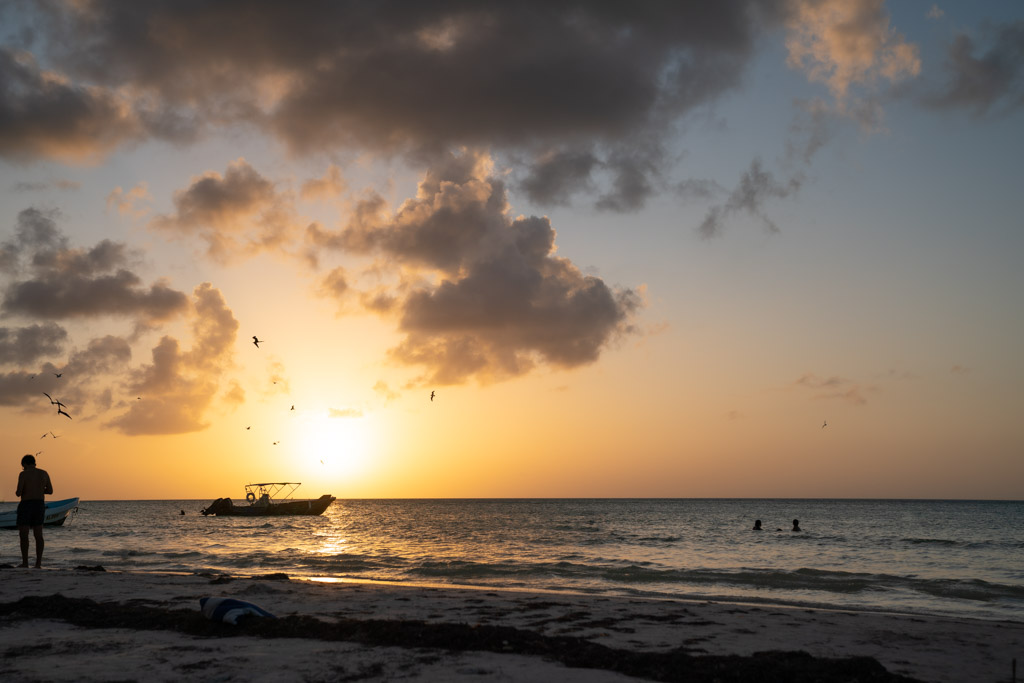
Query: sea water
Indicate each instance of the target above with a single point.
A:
(940, 557)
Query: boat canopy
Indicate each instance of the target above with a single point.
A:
(272, 490)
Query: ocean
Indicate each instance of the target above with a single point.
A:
(963, 558)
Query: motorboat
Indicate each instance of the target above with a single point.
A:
(57, 511)
(270, 498)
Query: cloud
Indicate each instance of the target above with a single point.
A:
(835, 388)
(935, 12)
(556, 175)
(381, 387)
(330, 186)
(40, 186)
(982, 79)
(584, 79)
(237, 212)
(756, 187)
(102, 358)
(54, 281)
(43, 115)
(178, 387)
(847, 43)
(27, 344)
(129, 203)
(491, 300)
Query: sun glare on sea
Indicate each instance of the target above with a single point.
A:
(334, 446)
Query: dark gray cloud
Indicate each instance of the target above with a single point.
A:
(102, 356)
(84, 370)
(45, 116)
(756, 187)
(556, 175)
(49, 279)
(502, 302)
(239, 211)
(397, 77)
(984, 78)
(178, 387)
(28, 344)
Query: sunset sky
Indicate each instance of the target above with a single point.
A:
(635, 249)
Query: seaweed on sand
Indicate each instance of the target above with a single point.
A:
(675, 665)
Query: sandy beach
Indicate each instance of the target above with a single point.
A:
(90, 625)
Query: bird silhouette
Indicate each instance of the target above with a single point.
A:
(61, 412)
(54, 402)
(293, 407)
(45, 435)
(276, 442)
(256, 342)
(431, 395)
(824, 424)
(249, 427)
(58, 374)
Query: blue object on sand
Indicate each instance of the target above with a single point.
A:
(229, 610)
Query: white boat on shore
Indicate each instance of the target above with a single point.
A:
(56, 512)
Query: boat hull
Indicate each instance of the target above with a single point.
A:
(225, 507)
(57, 512)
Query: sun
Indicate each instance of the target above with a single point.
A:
(335, 445)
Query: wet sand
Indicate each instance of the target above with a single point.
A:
(90, 625)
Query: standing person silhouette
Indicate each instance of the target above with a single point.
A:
(33, 485)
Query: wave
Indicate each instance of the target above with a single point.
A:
(770, 580)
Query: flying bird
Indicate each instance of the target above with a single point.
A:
(61, 412)
(431, 395)
(58, 374)
(276, 442)
(53, 402)
(256, 342)
(293, 407)
(824, 424)
(249, 427)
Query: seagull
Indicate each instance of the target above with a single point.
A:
(824, 424)
(61, 412)
(58, 374)
(45, 435)
(256, 342)
(431, 395)
(54, 403)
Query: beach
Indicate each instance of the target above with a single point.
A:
(87, 624)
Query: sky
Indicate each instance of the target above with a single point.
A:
(537, 249)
